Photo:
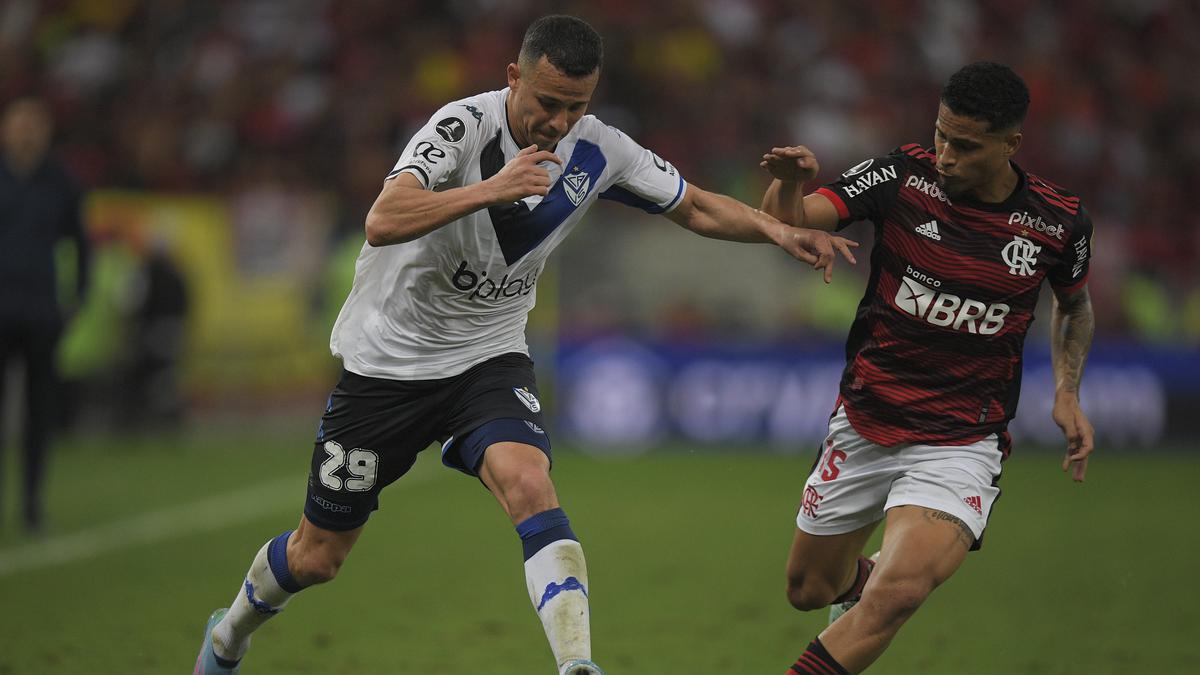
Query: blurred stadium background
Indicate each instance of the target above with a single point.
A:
(231, 150)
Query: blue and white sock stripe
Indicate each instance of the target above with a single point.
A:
(277, 559)
(553, 589)
(541, 529)
(259, 606)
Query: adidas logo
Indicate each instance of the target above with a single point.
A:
(975, 503)
(929, 230)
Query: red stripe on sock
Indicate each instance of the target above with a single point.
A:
(802, 666)
(816, 665)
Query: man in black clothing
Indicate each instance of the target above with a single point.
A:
(39, 207)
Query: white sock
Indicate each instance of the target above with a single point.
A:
(558, 586)
(260, 598)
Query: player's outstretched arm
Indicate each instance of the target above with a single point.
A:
(792, 167)
(720, 217)
(405, 210)
(1071, 328)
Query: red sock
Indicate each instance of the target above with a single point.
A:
(865, 565)
(816, 661)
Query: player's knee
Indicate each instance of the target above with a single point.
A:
(316, 566)
(528, 492)
(807, 593)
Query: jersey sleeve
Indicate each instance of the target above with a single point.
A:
(1071, 272)
(866, 190)
(641, 178)
(435, 152)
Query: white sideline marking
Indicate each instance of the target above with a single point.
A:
(206, 515)
(202, 516)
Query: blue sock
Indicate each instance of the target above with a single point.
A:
(557, 581)
(543, 528)
(277, 558)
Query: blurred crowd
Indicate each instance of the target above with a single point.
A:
(223, 95)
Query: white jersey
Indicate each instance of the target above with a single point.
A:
(435, 306)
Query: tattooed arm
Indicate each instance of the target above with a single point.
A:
(1071, 327)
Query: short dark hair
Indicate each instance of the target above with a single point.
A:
(988, 91)
(567, 42)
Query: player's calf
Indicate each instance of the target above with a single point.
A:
(887, 604)
(922, 549)
(315, 556)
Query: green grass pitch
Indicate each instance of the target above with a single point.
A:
(685, 552)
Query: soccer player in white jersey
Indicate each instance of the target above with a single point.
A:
(432, 334)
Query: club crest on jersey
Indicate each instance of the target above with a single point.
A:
(527, 397)
(576, 185)
(1020, 255)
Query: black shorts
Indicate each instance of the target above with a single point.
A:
(374, 428)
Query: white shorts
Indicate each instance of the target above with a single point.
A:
(856, 481)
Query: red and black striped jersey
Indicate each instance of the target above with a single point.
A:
(934, 354)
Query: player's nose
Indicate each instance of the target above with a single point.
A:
(945, 160)
(559, 123)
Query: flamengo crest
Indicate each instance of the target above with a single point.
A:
(1020, 255)
(576, 186)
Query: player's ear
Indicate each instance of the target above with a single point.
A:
(1012, 142)
(513, 71)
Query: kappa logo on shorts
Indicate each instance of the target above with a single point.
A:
(330, 506)
(527, 397)
(975, 503)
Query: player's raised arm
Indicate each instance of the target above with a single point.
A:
(405, 210)
(1072, 325)
(784, 199)
(720, 217)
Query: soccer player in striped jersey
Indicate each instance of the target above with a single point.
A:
(964, 239)
(432, 336)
